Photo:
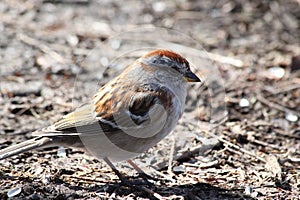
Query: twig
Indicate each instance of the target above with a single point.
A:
(284, 134)
(239, 148)
(35, 113)
(171, 156)
(228, 148)
(202, 165)
(252, 139)
(162, 175)
(276, 106)
(199, 148)
(230, 144)
(80, 2)
(283, 89)
(83, 179)
(44, 48)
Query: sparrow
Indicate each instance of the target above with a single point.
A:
(128, 115)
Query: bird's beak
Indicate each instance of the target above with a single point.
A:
(191, 77)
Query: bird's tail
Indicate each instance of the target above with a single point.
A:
(24, 146)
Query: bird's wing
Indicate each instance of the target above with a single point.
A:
(135, 109)
(140, 106)
(81, 117)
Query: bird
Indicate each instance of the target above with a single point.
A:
(127, 116)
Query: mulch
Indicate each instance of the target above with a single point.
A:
(239, 136)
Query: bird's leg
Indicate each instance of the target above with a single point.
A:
(116, 171)
(144, 175)
(128, 183)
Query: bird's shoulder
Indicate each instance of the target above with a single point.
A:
(138, 99)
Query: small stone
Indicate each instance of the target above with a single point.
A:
(38, 170)
(244, 103)
(61, 152)
(248, 190)
(45, 179)
(14, 192)
(159, 6)
(104, 61)
(178, 169)
(72, 40)
(291, 117)
(102, 28)
(115, 44)
(276, 72)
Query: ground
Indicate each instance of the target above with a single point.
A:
(239, 136)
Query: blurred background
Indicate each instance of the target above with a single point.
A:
(55, 53)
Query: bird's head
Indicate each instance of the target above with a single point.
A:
(167, 59)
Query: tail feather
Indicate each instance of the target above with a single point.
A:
(24, 146)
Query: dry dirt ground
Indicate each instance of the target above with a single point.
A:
(239, 137)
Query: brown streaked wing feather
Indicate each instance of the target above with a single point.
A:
(137, 101)
(79, 117)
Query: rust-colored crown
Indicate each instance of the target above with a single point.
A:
(167, 53)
